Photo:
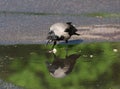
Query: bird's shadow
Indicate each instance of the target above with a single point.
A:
(78, 41)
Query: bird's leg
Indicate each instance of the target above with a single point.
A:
(49, 41)
(55, 57)
(54, 44)
(66, 48)
(53, 50)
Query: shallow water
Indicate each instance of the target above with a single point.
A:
(97, 67)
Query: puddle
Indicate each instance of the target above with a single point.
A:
(86, 65)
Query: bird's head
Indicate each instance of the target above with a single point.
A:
(56, 71)
(51, 37)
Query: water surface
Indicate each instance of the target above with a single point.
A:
(97, 67)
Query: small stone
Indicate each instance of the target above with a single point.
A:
(53, 51)
(91, 56)
(115, 50)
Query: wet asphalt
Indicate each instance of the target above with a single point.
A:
(20, 24)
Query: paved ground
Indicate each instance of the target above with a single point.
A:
(20, 24)
(61, 6)
(98, 33)
(91, 33)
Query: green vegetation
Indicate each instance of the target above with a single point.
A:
(97, 68)
(94, 14)
(103, 15)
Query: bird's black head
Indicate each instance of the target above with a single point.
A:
(51, 67)
(71, 29)
(51, 37)
(56, 70)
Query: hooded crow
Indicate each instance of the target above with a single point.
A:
(60, 32)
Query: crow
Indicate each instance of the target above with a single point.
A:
(61, 32)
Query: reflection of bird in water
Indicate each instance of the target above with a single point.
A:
(61, 31)
(59, 68)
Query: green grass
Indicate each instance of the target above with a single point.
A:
(103, 15)
(25, 66)
(94, 14)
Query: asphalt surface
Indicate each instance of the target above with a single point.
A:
(61, 6)
(19, 24)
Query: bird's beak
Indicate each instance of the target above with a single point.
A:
(48, 42)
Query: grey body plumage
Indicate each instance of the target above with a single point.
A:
(60, 32)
